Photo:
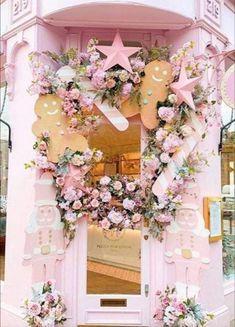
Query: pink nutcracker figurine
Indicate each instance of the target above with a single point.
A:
(187, 246)
(44, 243)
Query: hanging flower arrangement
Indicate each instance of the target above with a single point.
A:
(118, 202)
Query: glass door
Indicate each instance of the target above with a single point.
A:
(115, 283)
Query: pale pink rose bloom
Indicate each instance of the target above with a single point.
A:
(105, 224)
(34, 309)
(75, 93)
(95, 193)
(172, 143)
(128, 204)
(105, 196)
(130, 187)
(94, 203)
(126, 89)
(152, 163)
(70, 194)
(105, 180)
(60, 181)
(124, 75)
(77, 204)
(136, 218)
(115, 217)
(161, 134)
(117, 186)
(167, 114)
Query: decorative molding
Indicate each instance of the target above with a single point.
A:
(11, 309)
(229, 287)
(20, 8)
(221, 310)
(209, 28)
(212, 11)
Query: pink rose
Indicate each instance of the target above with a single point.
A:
(115, 217)
(105, 180)
(70, 194)
(167, 114)
(161, 134)
(117, 186)
(126, 89)
(94, 203)
(60, 181)
(105, 224)
(77, 204)
(34, 309)
(42, 146)
(110, 83)
(130, 187)
(128, 204)
(105, 196)
(172, 143)
(75, 93)
(95, 193)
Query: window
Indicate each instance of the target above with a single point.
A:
(228, 188)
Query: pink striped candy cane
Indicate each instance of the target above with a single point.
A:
(169, 173)
(112, 113)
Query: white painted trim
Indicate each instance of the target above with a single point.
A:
(229, 287)
(11, 309)
(221, 310)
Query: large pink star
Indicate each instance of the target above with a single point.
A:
(117, 54)
(184, 87)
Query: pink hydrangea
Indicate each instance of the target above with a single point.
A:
(70, 194)
(98, 79)
(167, 114)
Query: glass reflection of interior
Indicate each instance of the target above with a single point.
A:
(113, 259)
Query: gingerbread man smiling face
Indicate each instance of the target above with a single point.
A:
(154, 88)
(50, 118)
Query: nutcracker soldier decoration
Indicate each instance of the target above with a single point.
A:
(187, 246)
(44, 243)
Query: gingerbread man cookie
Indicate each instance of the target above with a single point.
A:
(48, 108)
(154, 88)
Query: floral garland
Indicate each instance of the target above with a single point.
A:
(176, 313)
(46, 308)
(103, 203)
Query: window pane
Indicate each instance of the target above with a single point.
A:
(113, 259)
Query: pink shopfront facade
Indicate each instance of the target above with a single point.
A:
(51, 25)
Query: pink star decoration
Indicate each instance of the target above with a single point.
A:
(184, 87)
(117, 54)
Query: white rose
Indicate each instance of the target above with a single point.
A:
(172, 98)
(189, 321)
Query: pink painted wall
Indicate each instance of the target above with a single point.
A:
(39, 37)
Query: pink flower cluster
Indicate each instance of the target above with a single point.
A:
(167, 114)
(46, 308)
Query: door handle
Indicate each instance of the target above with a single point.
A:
(146, 289)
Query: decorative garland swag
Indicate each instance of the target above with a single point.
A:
(83, 83)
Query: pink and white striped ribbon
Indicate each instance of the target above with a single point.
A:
(165, 179)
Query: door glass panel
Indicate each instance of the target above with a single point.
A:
(113, 259)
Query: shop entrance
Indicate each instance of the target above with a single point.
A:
(113, 273)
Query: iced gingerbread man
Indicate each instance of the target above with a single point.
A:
(50, 118)
(187, 246)
(44, 243)
(154, 88)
